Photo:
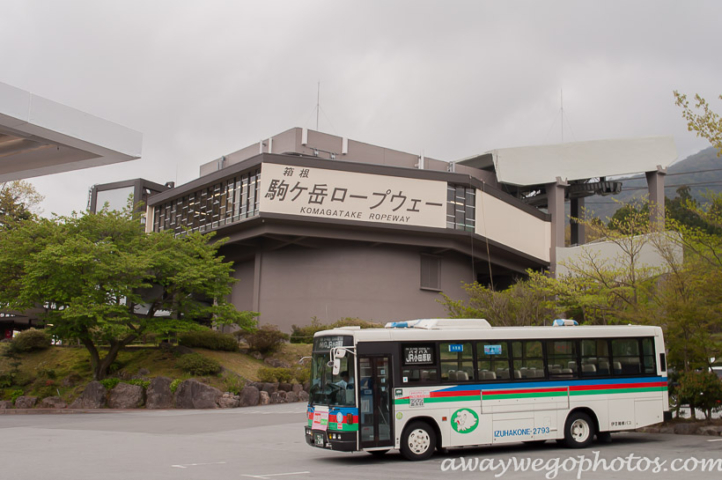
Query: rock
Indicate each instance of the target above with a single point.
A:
(291, 397)
(125, 396)
(270, 388)
(53, 402)
(25, 402)
(297, 388)
(686, 428)
(159, 394)
(263, 398)
(143, 372)
(278, 397)
(257, 356)
(307, 386)
(194, 394)
(71, 380)
(668, 429)
(713, 430)
(303, 396)
(286, 387)
(4, 405)
(92, 397)
(258, 385)
(250, 396)
(228, 400)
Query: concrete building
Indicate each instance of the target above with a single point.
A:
(326, 227)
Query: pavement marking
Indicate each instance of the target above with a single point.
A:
(195, 464)
(269, 475)
(716, 440)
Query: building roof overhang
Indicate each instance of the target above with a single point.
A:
(42, 137)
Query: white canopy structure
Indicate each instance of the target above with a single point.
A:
(543, 164)
(42, 137)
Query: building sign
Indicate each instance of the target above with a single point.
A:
(419, 355)
(323, 193)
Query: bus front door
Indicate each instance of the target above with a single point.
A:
(375, 402)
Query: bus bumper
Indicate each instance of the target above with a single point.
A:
(339, 441)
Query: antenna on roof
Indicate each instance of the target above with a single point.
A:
(562, 110)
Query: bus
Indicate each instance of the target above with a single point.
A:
(431, 384)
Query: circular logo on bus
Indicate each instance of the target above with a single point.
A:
(339, 417)
(464, 420)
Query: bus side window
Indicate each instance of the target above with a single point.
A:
(528, 359)
(493, 361)
(457, 361)
(562, 358)
(595, 358)
(648, 356)
(626, 356)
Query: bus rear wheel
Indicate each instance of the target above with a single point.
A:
(579, 430)
(418, 441)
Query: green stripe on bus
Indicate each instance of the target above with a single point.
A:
(469, 398)
(346, 427)
(489, 396)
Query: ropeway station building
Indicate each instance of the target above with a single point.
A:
(320, 226)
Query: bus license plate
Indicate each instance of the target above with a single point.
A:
(319, 440)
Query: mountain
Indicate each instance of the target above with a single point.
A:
(702, 172)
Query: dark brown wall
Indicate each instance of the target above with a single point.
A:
(346, 279)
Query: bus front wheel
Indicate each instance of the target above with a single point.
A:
(418, 441)
(579, 430)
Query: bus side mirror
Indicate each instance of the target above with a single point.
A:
(336, 366)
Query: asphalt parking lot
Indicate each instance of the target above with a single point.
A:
(268, 443)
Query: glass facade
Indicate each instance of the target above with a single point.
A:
(229, 201)
(461, 207)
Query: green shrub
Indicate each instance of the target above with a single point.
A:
(197, 364)
(210, 339)
(266, 339)
(15, 394)
(174, 385)
(110, 383)
(271, 375)
(44, 372)
(305, 334)
(233, 384)
(701, 390)
(141, 383)
(31, 340)
(7, 380)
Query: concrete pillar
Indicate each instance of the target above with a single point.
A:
(555, 195)
(655, 184)
(579, 234)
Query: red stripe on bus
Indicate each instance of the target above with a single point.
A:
(617, 386)
(529, 390)
(455, 393)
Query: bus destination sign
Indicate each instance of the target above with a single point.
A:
(418, 355)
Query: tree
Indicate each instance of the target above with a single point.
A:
(100, 279)
(18, 201)
(706, 124)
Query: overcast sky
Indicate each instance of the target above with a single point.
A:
(201, 79)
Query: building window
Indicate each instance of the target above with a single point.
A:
(460, 207)
(430, 273)
(228, 201)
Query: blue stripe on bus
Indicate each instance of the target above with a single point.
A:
(553, 383)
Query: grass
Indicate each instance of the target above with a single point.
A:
(42, 373)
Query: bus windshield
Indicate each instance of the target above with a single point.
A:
(330, 389)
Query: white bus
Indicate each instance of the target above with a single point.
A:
(424, 385)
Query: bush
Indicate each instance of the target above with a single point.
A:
(15, 394)
(701, 390)
(271, 375)
(233, 384)
(31, 340)
(305, 334)
(110, 383)
(174, 385)
(210, 339)
(266, 339)
(197, 364)
(141, 383)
